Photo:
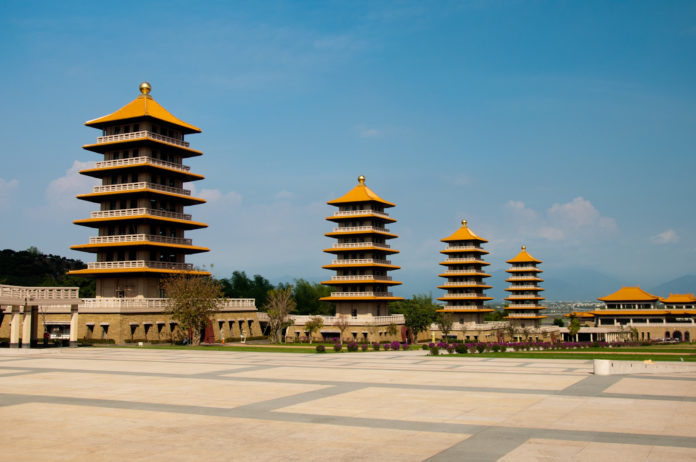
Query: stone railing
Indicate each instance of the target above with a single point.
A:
(360, 212)
(140, 264)
(474, 296)
(360, 261)
(352, 229)
(524, 278)
(523, 297)
(362, 294)
(153, 305)
(522, 315)
(139, 135)
(141, 160)
(350, 245)
(462, 247)
(351, 320)
(139, 211)
(513, 287)
(465, 260)
(140, 185)
(460, 327)
(514, 305)
(19, 294)
(465, 284)
(463, 272)
(139, 238)
(362, 277)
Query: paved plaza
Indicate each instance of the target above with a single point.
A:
(171, 405)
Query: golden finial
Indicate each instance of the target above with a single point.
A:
(145, 88)
(524, 247)
(361, 179)
(463, 222)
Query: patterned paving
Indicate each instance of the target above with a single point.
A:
(112, 404)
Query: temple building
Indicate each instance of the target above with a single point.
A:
(140, 223)
(465, 297)
(523, 309)
(361, 283)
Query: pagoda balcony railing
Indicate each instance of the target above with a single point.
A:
(463, 247)
(362, 294)
(138, 238)
(518, 305)
(522, 267)
(139, 211)
(142, 160)
(465, 284)
(360, 212)
(463, 272)
(465, 296)
(362, 277)
(126, 264)
(464, 260)
(360, 244)
(351, 229)
(139, 135)
(523, 297)
(359, 261)
(140, 185)
(524, 278)
(465, 307)
(527, 287)
(140, 304)
(364, 320)
(522, 315)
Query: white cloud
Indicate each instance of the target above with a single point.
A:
(369, 133)
(284, 195)
(572, 221)
(7, 190)
(61, 192)
(667, 237)
(217, 197)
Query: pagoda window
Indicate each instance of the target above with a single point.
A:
(116, 155)
(136, 128)
(117, 130)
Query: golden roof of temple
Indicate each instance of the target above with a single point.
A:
(679, 298)
(360, 193)
(629, 294)
(464, 234)
(140, 107)
(523, 257)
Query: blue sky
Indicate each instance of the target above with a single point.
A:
(566, 126)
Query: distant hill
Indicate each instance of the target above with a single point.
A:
(682, 285)
(33, 268)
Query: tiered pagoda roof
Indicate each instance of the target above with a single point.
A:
(524, 291)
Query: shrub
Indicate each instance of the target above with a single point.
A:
(461, 349)
(450, 349)
(337, 347)
(364, 346)
(434, 351)
(480, 347)
(321, 349)
(386, 345)
(496, 348)
(395, 346)
(425, 347)
(375, 346)
(352, 346)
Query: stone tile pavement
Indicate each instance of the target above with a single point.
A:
(130, 404)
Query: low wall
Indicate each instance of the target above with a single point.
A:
(609, 367)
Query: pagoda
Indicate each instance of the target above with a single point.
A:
(465, 287)
(523, 308)
(140, 223)
(361, 284)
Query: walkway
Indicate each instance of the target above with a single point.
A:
(171, 405)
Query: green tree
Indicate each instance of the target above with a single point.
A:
(419, 312)
(558, 322)
(239, 285)
(497, 315)
(444, 323)
(279, 305)
(574, 326)
(192, 300)
(307, 295)
(313, 325)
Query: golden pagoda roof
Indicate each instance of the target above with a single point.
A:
(143, 106)
(463, 234)
(629, 294)
(523, 257)
(679, 298)
(360, 193)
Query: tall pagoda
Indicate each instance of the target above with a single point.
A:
(140, 223)
(361, 284)
(523, 309)
(465, 287)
